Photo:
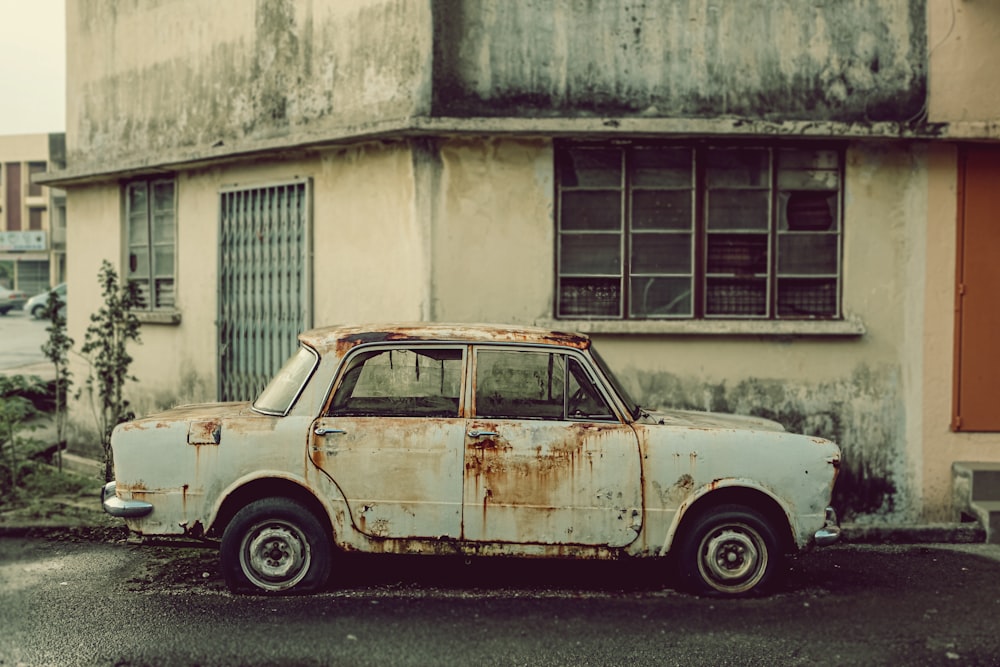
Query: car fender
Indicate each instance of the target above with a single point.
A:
(691, 503)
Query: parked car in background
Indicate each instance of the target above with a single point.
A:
(469, 440)
(11, 299)
(37, 304)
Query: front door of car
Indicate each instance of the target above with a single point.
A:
(547, 461)
(391, 437)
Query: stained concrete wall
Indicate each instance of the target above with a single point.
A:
(152, 76)
(857, 60)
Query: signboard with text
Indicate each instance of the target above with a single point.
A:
(23, 241)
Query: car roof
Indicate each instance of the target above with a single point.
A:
(343, 337)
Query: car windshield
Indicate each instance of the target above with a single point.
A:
(281, 392)
(616, 384)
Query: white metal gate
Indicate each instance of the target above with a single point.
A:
(265, 297)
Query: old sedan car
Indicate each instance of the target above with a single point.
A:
(469, 440)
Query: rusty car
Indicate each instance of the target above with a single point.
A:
(469, 440)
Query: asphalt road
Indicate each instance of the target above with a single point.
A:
(72, 602)
(21, 338)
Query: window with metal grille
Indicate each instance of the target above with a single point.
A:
(150, 226)
(699, 230)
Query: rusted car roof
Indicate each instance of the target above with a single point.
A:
(343, 336)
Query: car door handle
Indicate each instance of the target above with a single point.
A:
(482, 434)
(327, 431)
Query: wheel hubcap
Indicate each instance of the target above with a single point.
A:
(275, 556)
(733, 558)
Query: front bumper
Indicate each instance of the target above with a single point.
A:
(118, 507)
(830, 532)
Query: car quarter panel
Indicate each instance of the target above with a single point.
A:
(682, 465)
(183, 462)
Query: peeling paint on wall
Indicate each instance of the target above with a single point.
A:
(862, 412)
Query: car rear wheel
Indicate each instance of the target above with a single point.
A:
(731, 551)
(275, 545)
(37, 312)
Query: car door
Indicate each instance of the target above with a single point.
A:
(391, 436)
(547, 461)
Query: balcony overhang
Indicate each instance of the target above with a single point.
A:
(297, 142)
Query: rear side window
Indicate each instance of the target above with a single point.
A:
(400, 382)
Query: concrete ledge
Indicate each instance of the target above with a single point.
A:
(946, 533)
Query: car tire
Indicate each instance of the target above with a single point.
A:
(729, 551)
(275, 546)
(37, 312)
(3, 311)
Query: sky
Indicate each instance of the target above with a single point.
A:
(32, 66)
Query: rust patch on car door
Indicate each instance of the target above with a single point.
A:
(551, 482)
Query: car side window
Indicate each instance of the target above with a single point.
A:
(516, 384)
(400, 382)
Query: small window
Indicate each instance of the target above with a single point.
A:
(535, 385)
(151, 230)
(400, 382)
(655, 231)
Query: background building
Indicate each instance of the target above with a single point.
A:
(32, 217)
(755, 207)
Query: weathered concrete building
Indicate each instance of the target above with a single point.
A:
(32, 217)
(753, 206)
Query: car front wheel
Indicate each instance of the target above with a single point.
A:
(731, 551)
(275, 545)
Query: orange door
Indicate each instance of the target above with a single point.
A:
(977, 327)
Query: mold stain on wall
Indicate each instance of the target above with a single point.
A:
(862, 412)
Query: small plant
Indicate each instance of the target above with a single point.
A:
(56, 350)
(105, 345)
(15, 411)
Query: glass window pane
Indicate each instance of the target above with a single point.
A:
(138, 263)
(401, 383)
(137, 200)
(807, 210)
(798, 158)
(808, 297)
(728, 296)
(808, 180)
(661, 253)
(661, 297)
(807, 254)
(163, 228)
(591, 211)
(738, 209)
(590, 254)
(163, 197)
(738, 254)
(590, 297)
(662, 209)
(519, 385)
(583, 398)
(590, 168)
(661, 167)
(738, 167)
(163, 261)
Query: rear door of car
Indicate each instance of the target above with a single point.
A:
(392, 438)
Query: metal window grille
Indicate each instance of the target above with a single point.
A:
(265, 297)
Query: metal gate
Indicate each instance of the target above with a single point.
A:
(265, 297)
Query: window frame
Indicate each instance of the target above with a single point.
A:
(699, 277)
(568, 357)
(152, 275)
